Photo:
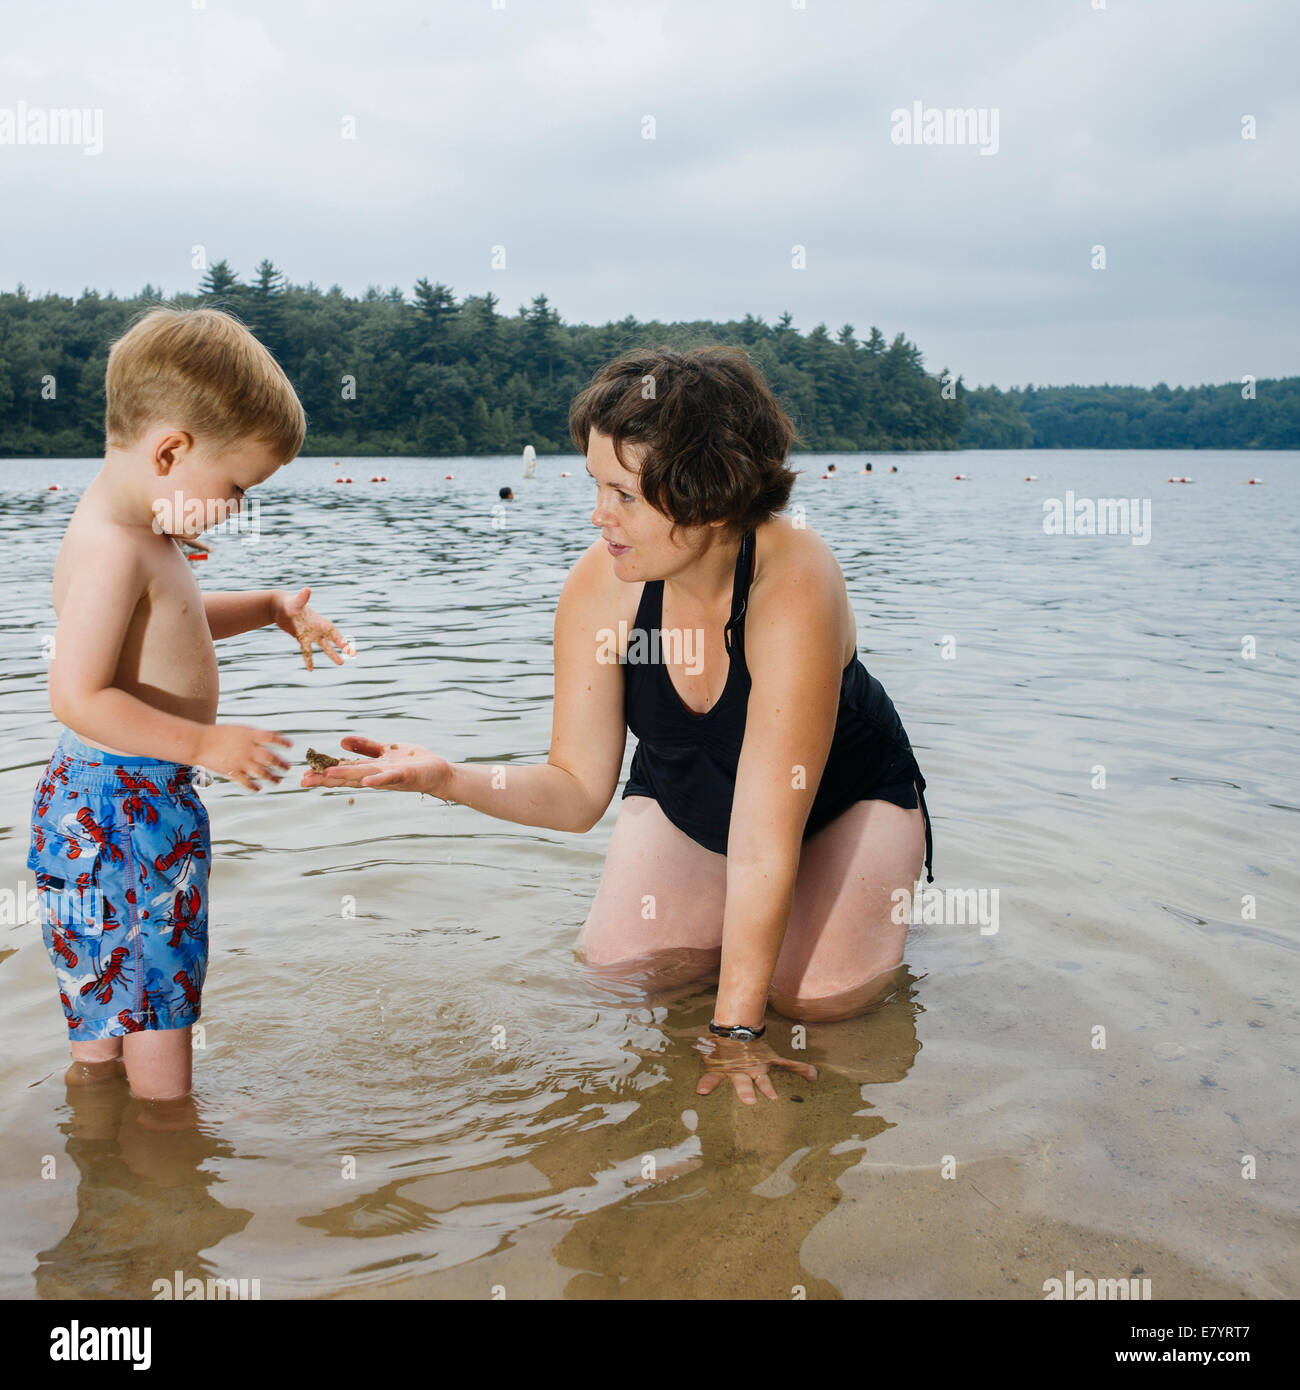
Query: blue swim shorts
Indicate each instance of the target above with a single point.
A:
(121, 849)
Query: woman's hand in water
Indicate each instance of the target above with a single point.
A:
(394, 767)
(748, 1064)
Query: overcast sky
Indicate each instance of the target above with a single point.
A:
(522, 125)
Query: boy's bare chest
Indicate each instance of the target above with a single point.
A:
(168, 645)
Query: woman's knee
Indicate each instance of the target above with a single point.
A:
(655, 969)
(813, 1002)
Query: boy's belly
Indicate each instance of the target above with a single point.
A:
(174, 669)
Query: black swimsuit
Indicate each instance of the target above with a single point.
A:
(687, 761)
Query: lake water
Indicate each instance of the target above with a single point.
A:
(408, 1086)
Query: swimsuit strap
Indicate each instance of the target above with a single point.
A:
(739, 586)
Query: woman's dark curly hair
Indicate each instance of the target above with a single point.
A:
(713, 438)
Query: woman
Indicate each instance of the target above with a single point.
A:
(774, 808)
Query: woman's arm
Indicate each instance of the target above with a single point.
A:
(794, 647)
(571, 790)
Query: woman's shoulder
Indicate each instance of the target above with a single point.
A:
(786, 549)
(796, 574)
(592, 585)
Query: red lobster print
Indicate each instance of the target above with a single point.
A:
(45, 791)
(135, 806)
(180, 781)
(183, 914)
(107, 979)
(127, 1022)
(74, 1020)
(38, 834)
(184, 848)
(153, 996)
(63, 948)
(188, 985)
(98, 834)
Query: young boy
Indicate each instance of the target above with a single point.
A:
(198, 413)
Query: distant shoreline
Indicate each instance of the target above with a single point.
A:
(434, 375)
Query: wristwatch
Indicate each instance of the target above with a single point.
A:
(736, 1030)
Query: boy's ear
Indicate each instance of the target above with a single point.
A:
(170, 448)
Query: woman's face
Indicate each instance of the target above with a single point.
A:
(638, 537)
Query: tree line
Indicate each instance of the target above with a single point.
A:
(430, 374)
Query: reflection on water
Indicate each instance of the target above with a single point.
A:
(409, 1083)
(144, 1204)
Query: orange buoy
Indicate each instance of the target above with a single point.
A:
(1254, 480)
(449, 477)
(54, 487)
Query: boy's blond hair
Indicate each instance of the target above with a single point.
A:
(203, 370)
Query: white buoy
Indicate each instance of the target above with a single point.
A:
(530, 461)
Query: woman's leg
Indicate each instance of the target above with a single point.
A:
(659, 906)
(843, 951)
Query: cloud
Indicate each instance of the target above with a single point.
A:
(523, 127)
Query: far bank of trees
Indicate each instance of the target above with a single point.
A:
(429, 374)
(388, 373)
(1130, 417)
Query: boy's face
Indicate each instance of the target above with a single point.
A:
(196, 487)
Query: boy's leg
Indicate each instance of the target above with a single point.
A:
(158, 1063)
(95, 1061)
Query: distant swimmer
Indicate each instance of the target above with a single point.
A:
(830, 468)
(506, 494)
(894, 469)
(867, 469)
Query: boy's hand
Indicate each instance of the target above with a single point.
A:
(394, 767)
(308, 628)
(242, 754)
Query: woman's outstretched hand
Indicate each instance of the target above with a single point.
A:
(394, 767)
(748, 1064)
